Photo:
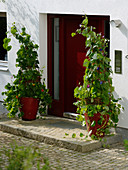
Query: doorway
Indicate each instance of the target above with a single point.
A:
(65, 58)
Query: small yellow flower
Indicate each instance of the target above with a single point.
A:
(33, 84)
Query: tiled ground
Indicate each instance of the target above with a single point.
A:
(113, 158)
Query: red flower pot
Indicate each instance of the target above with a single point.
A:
(29, 107)
(96, 130)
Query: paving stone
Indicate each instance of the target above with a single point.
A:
(113, 158)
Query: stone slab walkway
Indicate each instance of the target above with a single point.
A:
(56, 131)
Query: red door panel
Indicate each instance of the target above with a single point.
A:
(73, 73)
(71, 56)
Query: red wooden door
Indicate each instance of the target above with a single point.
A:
(71, 56)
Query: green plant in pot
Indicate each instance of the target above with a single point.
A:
(26, 94)
(95, 99)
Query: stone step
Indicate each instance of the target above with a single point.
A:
(51, 131)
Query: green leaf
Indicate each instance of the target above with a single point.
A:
(88, 121)
(23, 29)
(104, 145)
(13, 30)
(92, 100)
(81, 134)
(114, 118)
(86, 137)
(95, 56)
(86, 63)
(8, 48)
(100, 121)
(88, 52)
(107, 108)
(93, 123)
(78, 31)
(5, 45)
(66, 134)
(73, 135)
(105, 140)
(90, 132)
(73, 34)
(125, 141)
(98, 107)
(85, 21)
(3, 93)
(80, 118)
(93, 137)
(7, 40)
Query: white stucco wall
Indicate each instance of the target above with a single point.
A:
(33, 14)
(22, 13)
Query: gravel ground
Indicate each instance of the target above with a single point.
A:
(113, 158)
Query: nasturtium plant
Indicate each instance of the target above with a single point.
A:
(27, 82)
(95, 95)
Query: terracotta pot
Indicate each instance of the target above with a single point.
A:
(97, 129)
(29, 107)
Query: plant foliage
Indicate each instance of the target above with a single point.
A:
(23, 158)
(27, 82)
(96, 93)
(126, 144)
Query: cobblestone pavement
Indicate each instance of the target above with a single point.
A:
(113, 158)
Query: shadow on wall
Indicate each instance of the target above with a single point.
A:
(3, 110)
(5, 77)
(124, 114)
(25, 13)
(124, 103)
(123, 128)
(122, 28)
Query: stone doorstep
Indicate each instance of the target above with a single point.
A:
(72, 145)
(70, 115)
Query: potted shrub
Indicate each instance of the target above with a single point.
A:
(26, 93)
(95, 99)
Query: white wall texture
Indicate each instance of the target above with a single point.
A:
(33, 14)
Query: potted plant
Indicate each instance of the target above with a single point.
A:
(26, 93)
(95, 99)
